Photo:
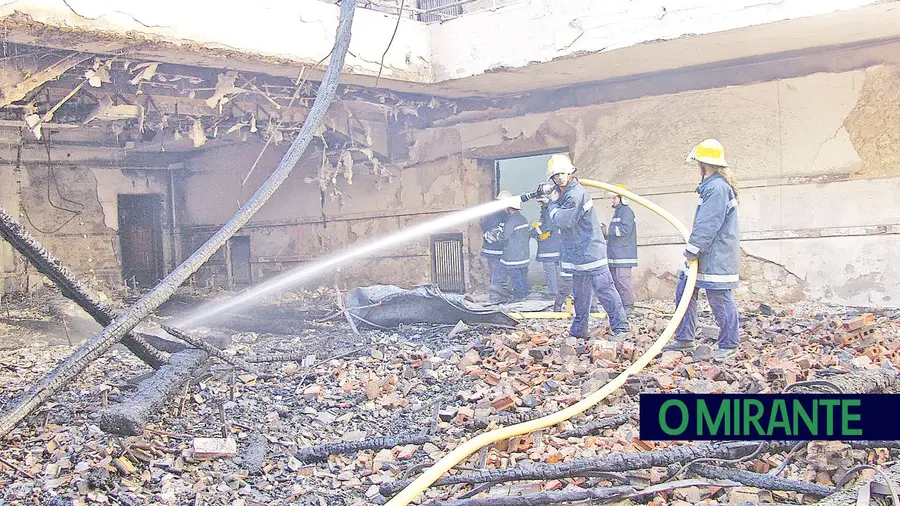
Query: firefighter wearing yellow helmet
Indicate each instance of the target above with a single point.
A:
(621, 249)
(715, 244)
(583, 255)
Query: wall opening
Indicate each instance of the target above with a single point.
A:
(519, 175)
(447, 271)
(239, 256)
(141, 239)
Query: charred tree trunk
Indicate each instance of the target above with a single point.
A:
(70, 286)
(868, 381)
(611, 463)
(598, 495)
(764, 481)
(320, 453)
(130, 417)
(124, 323)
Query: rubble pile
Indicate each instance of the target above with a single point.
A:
(355, 417)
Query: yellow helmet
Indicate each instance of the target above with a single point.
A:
(709, 151)
(559, 164)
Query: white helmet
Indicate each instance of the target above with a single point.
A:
(505, 195)
(559, 164)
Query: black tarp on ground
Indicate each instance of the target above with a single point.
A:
(389, 306)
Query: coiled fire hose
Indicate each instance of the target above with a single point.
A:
(432, 474)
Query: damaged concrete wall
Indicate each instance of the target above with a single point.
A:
(77, 223)
(817, 158)
(302, 223)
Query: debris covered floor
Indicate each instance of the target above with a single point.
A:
(432, 387)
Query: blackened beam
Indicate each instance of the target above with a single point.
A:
(70, 286)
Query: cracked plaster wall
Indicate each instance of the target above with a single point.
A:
(817, 158)
(87, 243)
(289, 231)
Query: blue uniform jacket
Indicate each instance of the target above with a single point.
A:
(622, 239)
(715, 237)
(548, 249)
(492, 249)
(516, 251)
(583, 246)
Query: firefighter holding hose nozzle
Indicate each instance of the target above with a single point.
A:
(571, 210)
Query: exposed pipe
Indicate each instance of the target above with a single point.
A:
(408, 494)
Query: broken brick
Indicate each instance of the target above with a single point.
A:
(504, 403)
(464, 414)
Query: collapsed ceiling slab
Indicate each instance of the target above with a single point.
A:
(503, 51)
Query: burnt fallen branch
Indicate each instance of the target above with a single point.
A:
(503, 421)
(320, 453)
(161, 344)
(609, 422)
(56, 379)
(764, 481)
(595, 495)
(212, 350)
(130, 417)
(71, 288)
(860, 382)
(612, 463)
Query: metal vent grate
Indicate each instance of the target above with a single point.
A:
(437, 10)
(447, 262)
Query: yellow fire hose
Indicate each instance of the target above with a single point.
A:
(432, 474)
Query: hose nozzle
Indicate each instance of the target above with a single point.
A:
(542, 189)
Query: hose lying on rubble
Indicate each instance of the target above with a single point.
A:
(405, 496)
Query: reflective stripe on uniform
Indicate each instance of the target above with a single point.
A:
(693, 249)
(718, 278)
(520, 227)
(619, 232)
(614, 261)
(584, 267)
(616, 219)
(517, 262)
(548, 255)
(732, 204)
(492, 252)
(588, 205)
(699, 201)
(554, 211)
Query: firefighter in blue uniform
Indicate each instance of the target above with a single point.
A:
(621, 249)
(583, 250)
(516, 251)
(492, 248)
(715, 243)
(548, 253)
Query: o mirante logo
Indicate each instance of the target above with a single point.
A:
(766, 416)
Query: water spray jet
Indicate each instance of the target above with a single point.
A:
(303, 273)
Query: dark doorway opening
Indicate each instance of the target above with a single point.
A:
(141, 239)
(519, 175)
(240, 261)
